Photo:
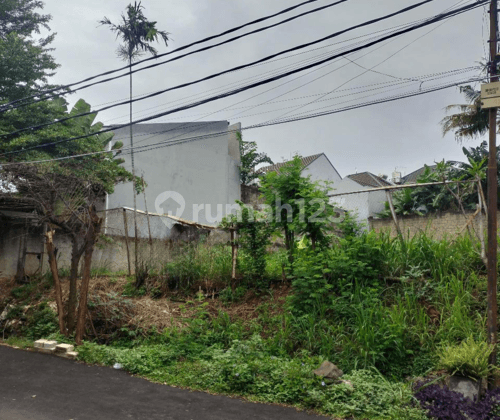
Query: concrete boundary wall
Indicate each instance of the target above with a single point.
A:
(437, 225)
(110, 253)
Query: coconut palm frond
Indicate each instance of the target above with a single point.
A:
(471, 121)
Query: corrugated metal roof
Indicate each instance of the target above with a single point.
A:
(306, 161)
(367, 179)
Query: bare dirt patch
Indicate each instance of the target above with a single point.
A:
(109, 309)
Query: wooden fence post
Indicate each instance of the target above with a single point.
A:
(147, 215)
(125, 225)
(234, 249)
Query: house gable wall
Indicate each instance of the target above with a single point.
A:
(205, 172)
(322, 170)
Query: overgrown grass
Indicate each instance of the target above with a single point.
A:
(196, 263)
(21, 342)
(249, 368)
(379, 309)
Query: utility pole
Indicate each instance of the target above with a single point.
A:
(492, 195)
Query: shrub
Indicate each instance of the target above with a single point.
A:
(41, 321)
(469, 359)
(354, 263)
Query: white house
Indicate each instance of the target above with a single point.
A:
(191, 170)
(364, 204)
(317, 166)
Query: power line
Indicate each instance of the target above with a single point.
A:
(176, 58)
(381, 101)
(307, 60)
(167, 143)
(301, 53)
(426, 23)
(251, 86)
(429, 77)
(371, 69)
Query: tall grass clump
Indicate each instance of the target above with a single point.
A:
(428, 256)
(198, 262)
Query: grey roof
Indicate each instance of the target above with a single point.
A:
(367, 179)
(306, 161)
(413, 177)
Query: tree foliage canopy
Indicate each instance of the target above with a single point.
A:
(135, 32)
(298, 205)
(26, 62)
(250, 159)
(435, 198)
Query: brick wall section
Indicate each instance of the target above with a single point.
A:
(438, 225)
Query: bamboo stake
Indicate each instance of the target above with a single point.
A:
(125, 225)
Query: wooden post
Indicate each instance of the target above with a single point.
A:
(125, 226)
(147, 216)
(492, 199)
(234, 249)
(393, 212)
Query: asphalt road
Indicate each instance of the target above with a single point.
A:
(36, 386)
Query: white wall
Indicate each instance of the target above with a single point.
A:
(322, 170)
(376, 201)
(204, 171)
(355, 203)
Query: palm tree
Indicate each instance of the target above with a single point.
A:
(135, 32)
(471, 122)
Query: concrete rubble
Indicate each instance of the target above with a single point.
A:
(52, 347)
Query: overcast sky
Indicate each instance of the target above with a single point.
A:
(404, 134)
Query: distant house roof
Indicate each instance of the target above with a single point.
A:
(306, 161)
(413, 177)
(367, 179)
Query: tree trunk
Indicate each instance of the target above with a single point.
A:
(21, 262)
(76, 255)
(90, 240)
(57, 284)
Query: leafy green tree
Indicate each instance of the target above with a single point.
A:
(21, 16)
(64, 190)
(25, 62)
(297, 205)
(250, 159)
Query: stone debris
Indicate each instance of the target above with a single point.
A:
(3, 315)
(64, 348)
(70, 355)
(50, 344)
(469, 388)
(39, 343)
(328, 370)
(51, 347)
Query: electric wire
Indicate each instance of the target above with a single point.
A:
(367, 70)
(230, 93)
(139, 149)
(171, 60)
(435, 19)
(294, 55)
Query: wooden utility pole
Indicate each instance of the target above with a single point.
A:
(492, 195)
